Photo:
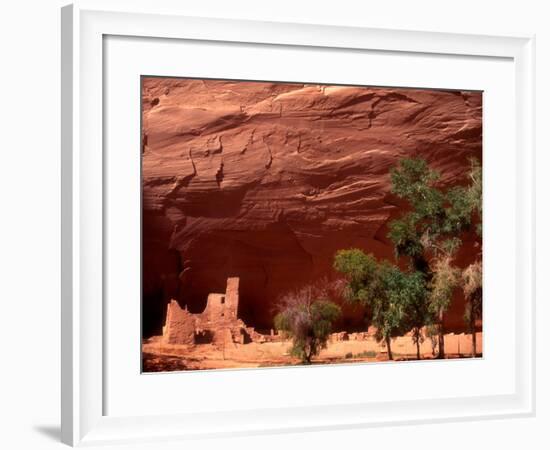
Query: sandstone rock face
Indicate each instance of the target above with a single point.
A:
(266, 181)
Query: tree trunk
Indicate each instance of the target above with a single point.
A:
(307, 354)
(388, 345)
(417, 348)
(441, 337)
(441, 345)
(474, 337)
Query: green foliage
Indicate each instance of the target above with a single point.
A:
(464, 203)
(406, 297)
(457, 214)
(472, 281)
(445, 279)
(428, 235)
(436, 216)
(475, 194)
(393, 296)
(432, 333)
(362, 273)
(418, 314)
(413, 181)
(308, 320)
(406, 237)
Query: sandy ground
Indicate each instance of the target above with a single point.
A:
(159, 357)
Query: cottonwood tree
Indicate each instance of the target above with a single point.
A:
(472, 276)
(428, 234)
(391, 295)
(444, 280)
(306, 316)
(475, 194)
(472, 286)
(418, 312)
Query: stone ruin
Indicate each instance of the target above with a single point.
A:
(218, 324)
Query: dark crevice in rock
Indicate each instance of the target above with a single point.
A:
(269, 159)
(219, 174)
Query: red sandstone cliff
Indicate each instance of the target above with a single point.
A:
(266, 181)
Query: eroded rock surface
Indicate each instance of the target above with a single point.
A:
(265, 181)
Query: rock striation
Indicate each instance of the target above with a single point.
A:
(268, 180)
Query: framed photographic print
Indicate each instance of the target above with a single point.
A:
(287, 223)
(272, 213)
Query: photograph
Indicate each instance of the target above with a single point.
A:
(302, 224)
(275, 226)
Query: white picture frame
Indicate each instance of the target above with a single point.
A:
(84, 418)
